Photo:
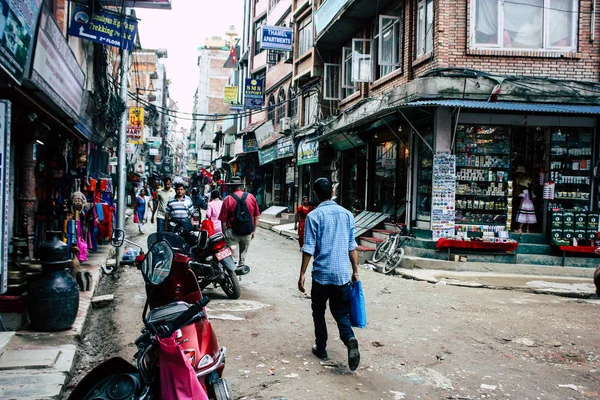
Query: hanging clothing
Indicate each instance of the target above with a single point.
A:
(526, 213)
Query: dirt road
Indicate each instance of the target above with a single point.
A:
(423, 341)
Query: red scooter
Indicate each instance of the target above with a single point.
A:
(174, 308)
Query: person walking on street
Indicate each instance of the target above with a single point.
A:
(214, 210)
(239, 218)
(329, 238)
(141, 208)
(162, 197)
(179, 208)
(300, 219)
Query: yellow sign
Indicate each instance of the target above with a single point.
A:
(230, 95)
(135, 126)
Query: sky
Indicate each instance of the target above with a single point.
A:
(181, 31)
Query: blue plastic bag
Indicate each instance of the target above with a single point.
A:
(358, 311)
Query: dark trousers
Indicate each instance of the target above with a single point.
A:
(160, 225)
(339, 303)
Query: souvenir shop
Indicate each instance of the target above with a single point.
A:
(492, 174)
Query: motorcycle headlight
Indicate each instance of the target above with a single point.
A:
(206, 360)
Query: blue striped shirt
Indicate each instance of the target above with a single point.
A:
(179, 209)
(329, 237)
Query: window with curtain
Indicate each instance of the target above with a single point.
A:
(271, 108)
(309, 108)
(424, 27)
(388, 43)
(527, 24)
(257, 26)
(349, 87)
(293, 107)
(305, 36)
(281, 104)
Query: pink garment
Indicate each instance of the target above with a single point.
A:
(177, 377)
(213, 211)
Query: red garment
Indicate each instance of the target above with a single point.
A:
(208, 226)
(106, 225)
(302, 213)
(229, 204)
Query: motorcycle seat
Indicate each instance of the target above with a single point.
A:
(167, 313)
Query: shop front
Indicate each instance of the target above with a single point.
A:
(309, 168)
(507, 173)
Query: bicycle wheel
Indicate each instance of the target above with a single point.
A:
(383, 250)
(394, 261)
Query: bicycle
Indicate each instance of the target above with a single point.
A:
(391, 251)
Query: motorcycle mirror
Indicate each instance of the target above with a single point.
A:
(202, 240)
(117, 237)
(157, 264)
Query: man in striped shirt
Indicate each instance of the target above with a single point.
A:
(179, 208)
(329, 238)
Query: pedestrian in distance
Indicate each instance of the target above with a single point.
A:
(300, 219)
(162, 197)
(239, 218)
(179, 208)
(142, 202)
(329, 240)
(214, 210)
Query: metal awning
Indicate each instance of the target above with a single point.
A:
(509, 106)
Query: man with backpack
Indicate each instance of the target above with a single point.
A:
(239, 218)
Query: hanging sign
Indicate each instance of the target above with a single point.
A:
(284, 148)
(265, 134)
(135, 126)
(5, 117)
(56, 72)
(276, 38)
(249, 143)
(253, 93)
(103, 27)
(308, 151)
(443, 190)
(267, 155)
(230, 94)
(18, 21)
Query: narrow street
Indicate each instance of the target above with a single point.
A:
(423, 341)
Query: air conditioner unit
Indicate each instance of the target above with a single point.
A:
(285, 124)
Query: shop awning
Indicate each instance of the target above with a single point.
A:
(509, 106)
(251, 127)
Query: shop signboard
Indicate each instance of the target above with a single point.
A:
(5, 117)
(153, 151)
(153, 141)
(346, 140)
(276, 38)
(103, 27)
(230, 94)
(284, 148)
(250, 144)
(56, 72)
(18, 21)
(153, 4)
(135, 126)
(266, 155)
(443, 190)
(308, 151)
(266, 135)
(253, 93)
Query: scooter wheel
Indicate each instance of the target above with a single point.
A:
(221, 389)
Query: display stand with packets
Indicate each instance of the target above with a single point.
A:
(570, 227)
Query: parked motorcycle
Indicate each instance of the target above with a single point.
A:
(213, 261)
(174, 308)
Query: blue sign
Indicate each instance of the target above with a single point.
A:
(276, 38)
(253, 93)
(103, 27)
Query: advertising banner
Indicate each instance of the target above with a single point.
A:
(284, 148)
(276, 38)
(265, 134)
(230, 95)
(267, 155)
(135, 126)
(5, 116)
(308, 151)
(103, 27)
(443, 193)
(18, 22)
(56, 72)
(253, 93)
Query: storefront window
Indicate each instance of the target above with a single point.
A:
(384, 184)
(424, 175)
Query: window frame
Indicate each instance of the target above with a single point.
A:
(348, 87)
(397, 47)
(575, 19)
(309, 100)
(292, 111)
(423, 34)
(305, 37)
(332, 85)
(281, 103)
(358, 57)
(271, 108)
(257, 35)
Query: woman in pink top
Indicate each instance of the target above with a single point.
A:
(214, 209)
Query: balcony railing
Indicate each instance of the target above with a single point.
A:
(327, 12)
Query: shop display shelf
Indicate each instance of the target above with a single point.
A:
(471, 180)
(571, 198)
(471, 223)
(469, 166)
(479, 195)
(482, 153)
(482, 211)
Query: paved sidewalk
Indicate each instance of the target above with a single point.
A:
(36, 365)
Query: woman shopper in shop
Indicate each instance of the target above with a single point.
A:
(214, 209)
(141, 209)
(301, 214)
